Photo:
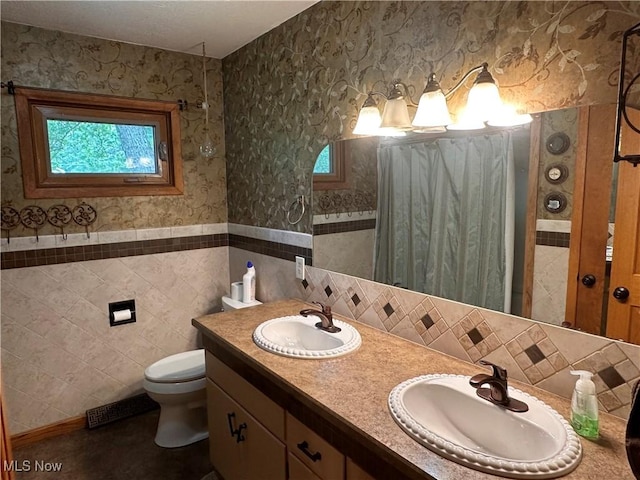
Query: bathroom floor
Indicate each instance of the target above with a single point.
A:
(120, 451)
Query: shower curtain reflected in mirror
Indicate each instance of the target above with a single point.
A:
(445, 219)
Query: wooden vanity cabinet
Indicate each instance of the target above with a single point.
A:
(251, 437)
(313, 451)
(354, 472)
(246, 428)
(240, 447)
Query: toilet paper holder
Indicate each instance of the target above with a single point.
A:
(122, 312)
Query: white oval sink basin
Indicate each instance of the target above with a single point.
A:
(443, 413)
(297, 336)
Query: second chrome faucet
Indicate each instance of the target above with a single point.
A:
(326, 318)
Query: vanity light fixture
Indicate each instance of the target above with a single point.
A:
(207, 148)
(484, 106)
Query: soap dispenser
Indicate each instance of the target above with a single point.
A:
(584, 406)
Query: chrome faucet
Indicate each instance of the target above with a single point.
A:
(498, 391)
(326, 318)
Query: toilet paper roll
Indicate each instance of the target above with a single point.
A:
(120, 315)
(236, 291)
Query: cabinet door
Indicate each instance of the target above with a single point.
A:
(313, 451)
(299, 471)
(354, 472)
(239, 447)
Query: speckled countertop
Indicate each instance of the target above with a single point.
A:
(349, 394)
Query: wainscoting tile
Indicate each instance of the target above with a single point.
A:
(55, 323)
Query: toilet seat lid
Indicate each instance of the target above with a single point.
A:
(181, 367)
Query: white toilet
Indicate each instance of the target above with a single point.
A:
(178, 384)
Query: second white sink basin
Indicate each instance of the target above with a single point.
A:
(443, 413)
(297, 336)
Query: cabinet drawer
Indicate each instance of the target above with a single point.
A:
(298, 470)
(265, 410)
(314, 452)
(239, 447)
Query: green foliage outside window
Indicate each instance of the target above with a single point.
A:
(87, 147)
(323, 162)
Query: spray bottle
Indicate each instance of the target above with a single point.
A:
(249, 284)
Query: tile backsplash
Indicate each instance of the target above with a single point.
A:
(535, 353)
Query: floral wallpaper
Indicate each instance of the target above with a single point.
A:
(36, 57)
(362, 178)
(293, 90)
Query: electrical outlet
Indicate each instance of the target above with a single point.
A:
(300, 268)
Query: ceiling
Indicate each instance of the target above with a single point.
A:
(179, 26)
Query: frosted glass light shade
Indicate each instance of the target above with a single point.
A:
(508, 117)
(368, 121)
(396, 115)
(432, 110)
(484, 99)
(466, 121)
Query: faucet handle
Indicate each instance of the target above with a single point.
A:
(498, 371)
(325, 309)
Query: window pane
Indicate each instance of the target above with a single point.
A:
(323, 162)
(100, 148)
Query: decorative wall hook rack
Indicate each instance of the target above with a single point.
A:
(59, 216)
(11, 88)
(33, 217)
(10, 220)
(84, 215)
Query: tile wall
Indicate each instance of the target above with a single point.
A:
(536, 353)
(550, 273)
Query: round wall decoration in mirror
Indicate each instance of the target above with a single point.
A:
(556, 173)
(558, 143)
(555, 202)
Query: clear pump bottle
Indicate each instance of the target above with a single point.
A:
(584, 406)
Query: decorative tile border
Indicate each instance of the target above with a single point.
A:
(272, 249)
(553, 239)
(50, 256)
(272, 235)
(52, 249)
(534, 353)
(110, 236)
(341, 227)
(343, 217)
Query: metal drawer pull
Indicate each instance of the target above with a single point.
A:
(304, 446)
(236, 432)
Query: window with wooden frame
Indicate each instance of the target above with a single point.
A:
(84, 145)
(330, 169)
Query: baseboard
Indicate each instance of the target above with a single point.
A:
(48, 431)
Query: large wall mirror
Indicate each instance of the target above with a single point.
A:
(499, 218)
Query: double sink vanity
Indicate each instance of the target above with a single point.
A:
(287, 399)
